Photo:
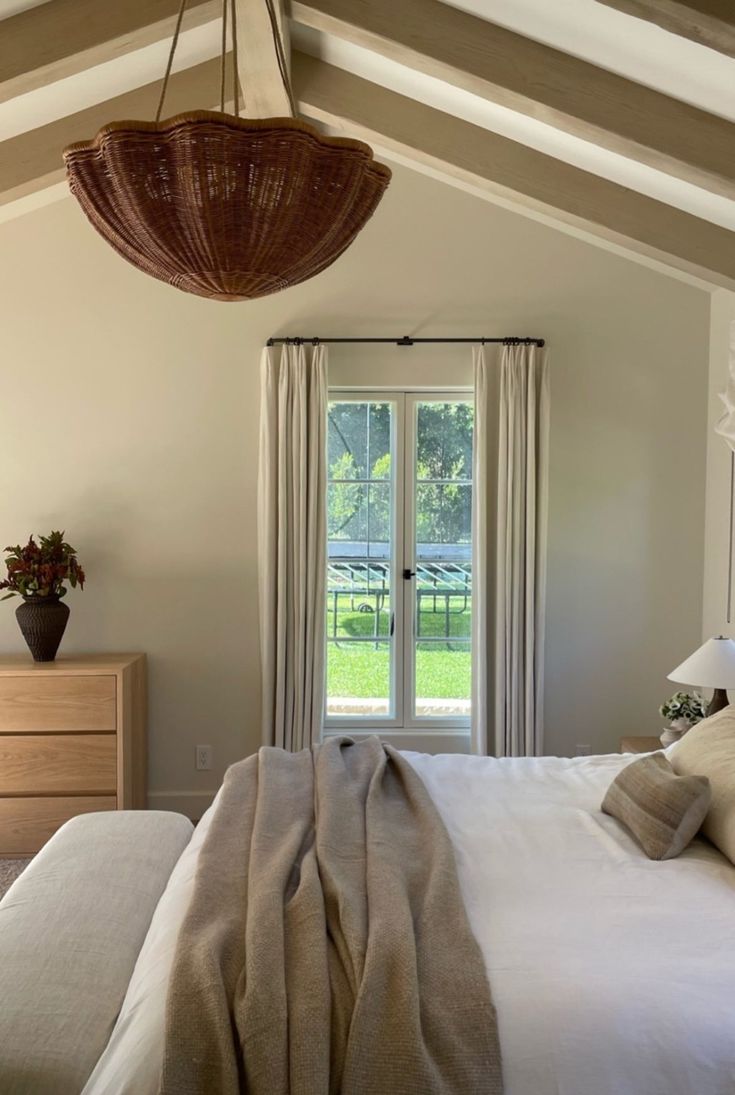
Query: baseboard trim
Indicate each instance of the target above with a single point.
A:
(190, 803)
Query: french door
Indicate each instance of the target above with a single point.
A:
(399, 582)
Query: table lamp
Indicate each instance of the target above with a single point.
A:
(712, 666)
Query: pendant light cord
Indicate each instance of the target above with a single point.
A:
(281, 55)
(235, 74)
(277, 43)
(174, 43)
(222, 58)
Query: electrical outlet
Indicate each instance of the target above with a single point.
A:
(582, 750)
(203, 758)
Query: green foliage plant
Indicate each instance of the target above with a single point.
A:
(41, 569)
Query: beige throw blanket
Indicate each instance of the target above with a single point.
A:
(326, 950)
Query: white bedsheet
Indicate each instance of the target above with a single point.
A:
(612, 974)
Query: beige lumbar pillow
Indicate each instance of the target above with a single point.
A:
(663, 811)
(708, 749)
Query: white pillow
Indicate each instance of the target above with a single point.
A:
(708, 749)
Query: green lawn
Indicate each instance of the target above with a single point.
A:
(443, 674)
(360, 671)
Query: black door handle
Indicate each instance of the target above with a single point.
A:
(408, 574)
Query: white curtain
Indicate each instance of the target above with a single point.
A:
(725, 425)
(510, 492)
(292, 539)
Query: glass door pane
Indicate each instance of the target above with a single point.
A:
(442, 515)
(361, 533)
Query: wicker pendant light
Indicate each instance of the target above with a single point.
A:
(226, 207)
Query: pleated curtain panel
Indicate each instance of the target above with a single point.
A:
(510, 505)
(292, 538)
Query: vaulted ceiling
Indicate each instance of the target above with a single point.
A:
(611, 119)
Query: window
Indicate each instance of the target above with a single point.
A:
(399, 583)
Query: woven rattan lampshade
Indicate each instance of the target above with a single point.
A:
(226, 207)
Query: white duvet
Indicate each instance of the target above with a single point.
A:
(611, 974)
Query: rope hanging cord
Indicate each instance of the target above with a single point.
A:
(277, 45)
(174, 42)
(281, 55)
(223, 64)
(222, 58)
(235, 74)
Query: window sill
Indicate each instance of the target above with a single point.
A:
(420, 740)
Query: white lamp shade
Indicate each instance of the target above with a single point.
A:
(712, 666)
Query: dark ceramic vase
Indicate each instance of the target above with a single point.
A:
(42, 621)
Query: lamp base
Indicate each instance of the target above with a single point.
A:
(718, 701)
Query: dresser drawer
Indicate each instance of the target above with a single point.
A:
(57, 764)
(57, 703)
(27, 823)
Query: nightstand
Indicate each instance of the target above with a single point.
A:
(640, 745)
(72, 741)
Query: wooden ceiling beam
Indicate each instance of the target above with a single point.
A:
(260, 77)
(708, 22)
(480, 161)
(563, 91)
(55, 40)
(462, 154)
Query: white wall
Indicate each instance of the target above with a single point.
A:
(129, 418)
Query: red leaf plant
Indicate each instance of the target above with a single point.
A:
(41, 569)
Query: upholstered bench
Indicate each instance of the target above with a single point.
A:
(71, 928)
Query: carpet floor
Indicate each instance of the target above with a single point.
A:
(9, 871)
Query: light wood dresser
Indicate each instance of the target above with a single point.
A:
(72, 740)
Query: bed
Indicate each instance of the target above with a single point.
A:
(611, 974)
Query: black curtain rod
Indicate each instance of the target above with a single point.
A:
(298, 340)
